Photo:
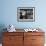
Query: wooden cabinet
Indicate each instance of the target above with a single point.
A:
(23, 39)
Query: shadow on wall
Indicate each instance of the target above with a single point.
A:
(2, 26)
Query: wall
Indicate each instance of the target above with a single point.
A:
(9, 13)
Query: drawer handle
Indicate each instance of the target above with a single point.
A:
(33, 39)
(11, 38)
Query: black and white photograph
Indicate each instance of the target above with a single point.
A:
(26, 14)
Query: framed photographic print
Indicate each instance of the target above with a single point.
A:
(26, 14)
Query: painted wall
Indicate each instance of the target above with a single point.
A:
(8, 13)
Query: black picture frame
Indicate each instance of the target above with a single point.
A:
(26, 14)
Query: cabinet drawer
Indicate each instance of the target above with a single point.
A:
(13, 33)
(34, 33)
(12, 39)
(37, 44)
(27, 39)
(37, 39)
(13, 44)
